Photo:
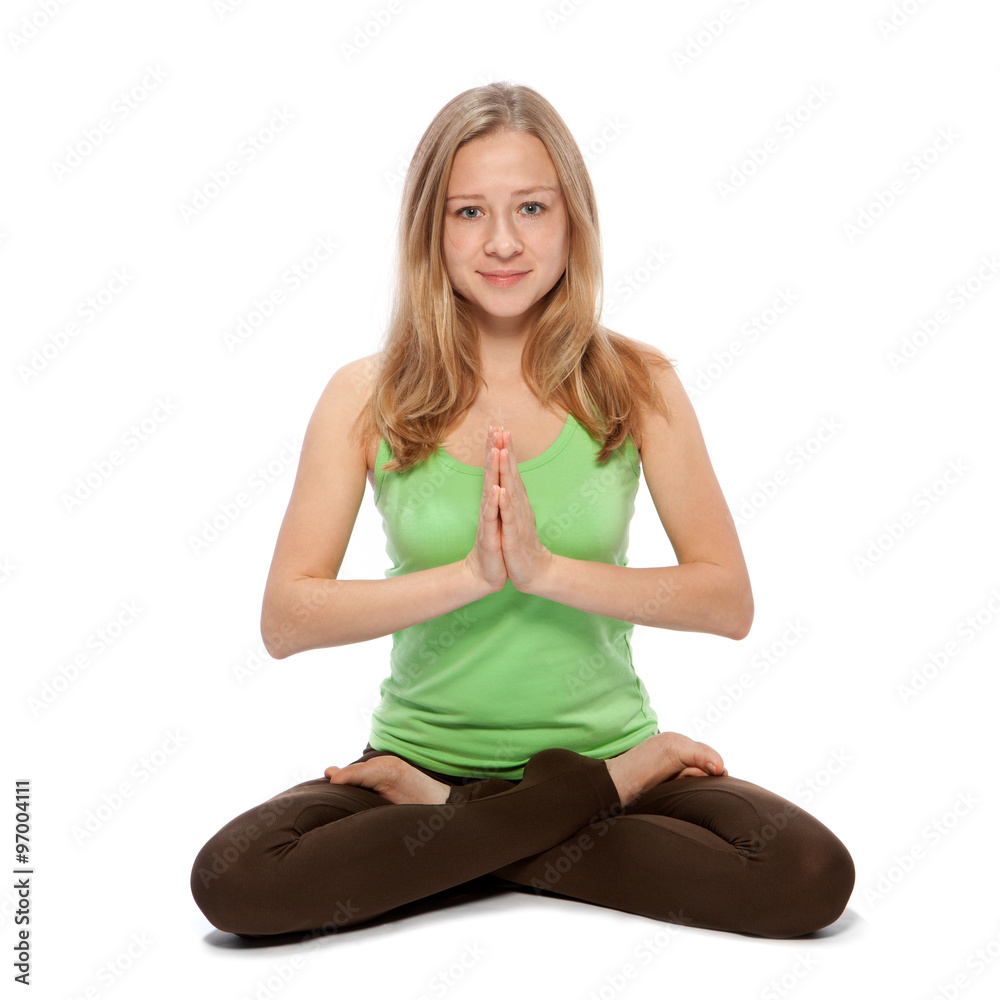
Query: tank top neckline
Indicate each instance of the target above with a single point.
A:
(569, 426)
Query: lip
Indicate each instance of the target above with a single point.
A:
(504, 279)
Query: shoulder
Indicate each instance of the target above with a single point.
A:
(345, 396)
(349, 387)
(665, 375)
(359, 374)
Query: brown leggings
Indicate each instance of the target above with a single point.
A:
(716, 852)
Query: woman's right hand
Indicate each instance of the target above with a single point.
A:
(485, 561)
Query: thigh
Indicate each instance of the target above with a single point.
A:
(717, 852)
(277, 822)
(731, 809)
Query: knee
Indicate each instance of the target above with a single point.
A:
(816, 882)
(220, 880)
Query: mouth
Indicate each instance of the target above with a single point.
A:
(503, 279)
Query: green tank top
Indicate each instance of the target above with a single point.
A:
(478, 691)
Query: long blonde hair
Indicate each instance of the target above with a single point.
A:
(428, 372)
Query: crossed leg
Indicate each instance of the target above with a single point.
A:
(328, 855)
(715, 852)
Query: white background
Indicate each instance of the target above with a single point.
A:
(185, 709)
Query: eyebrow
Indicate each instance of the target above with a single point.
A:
(482, 197)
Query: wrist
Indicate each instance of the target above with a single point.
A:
(543, 579)
(473, 584)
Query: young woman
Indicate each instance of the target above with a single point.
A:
(501, 430)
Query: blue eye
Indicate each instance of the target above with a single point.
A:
(473, 208)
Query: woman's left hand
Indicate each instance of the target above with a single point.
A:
(526, 559)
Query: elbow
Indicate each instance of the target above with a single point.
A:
(741, 619)
(740, 630)
(276, 633)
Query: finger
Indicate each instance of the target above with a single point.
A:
(489, 443)
(509, 443)
(505, 508)
(511, 478)
(491, 510)
(491, 476)
(507, 472)
(493, 466)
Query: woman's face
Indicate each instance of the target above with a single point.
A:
(504, 213)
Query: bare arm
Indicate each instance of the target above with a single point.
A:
(305, 606)
(315, 612)
(694, 597)
(709, 589)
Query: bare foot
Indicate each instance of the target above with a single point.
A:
(662, 757)
(393, 778)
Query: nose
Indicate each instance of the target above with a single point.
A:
(502, 239)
